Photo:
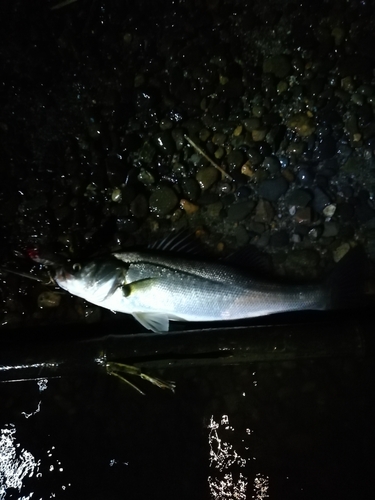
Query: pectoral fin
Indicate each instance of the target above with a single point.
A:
(137, 286)
(153, 321)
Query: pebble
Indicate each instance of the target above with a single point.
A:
(279, 66)
(272, 189)
(302, 124)
(204, 134)
(298, 198)
(255, 227)
(340, 252)
(252, 124)
(116, 195)
(146, 177)
(345, 211)
(321, 200)
(165, 142)
(48, 300)
(329, 210)
(207, 176)
(240, 210)
(254, 156)
(213, 210)
(303, 215)
(237, 131)
(241, 235)
(163, 201)
(259, 135)
(279, 239)
(235, 159)
(264, 212)
(247, 169)
(190, 188)
(331, 229)
(189, 207)
(302, 263)
(272, 164)
(139, 206)
(219, 139)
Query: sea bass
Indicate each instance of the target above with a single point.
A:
(156, 288)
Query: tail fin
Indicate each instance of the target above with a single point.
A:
(349, 282)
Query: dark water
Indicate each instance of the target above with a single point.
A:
(267, 413)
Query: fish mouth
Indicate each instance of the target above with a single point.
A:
(62, 276)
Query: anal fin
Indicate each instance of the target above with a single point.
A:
(153, 321)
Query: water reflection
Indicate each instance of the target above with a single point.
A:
(225, 458)
(16, 463)
(20, 468)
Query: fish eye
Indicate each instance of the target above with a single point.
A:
(76, 267)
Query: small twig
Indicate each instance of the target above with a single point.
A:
(62, 4)
(201, 152)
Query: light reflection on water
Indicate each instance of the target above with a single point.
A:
(15, 463)
(231, 484)
(18, 464)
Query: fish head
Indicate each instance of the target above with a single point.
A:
(95, 281)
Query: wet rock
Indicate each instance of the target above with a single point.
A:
(48, 300)
(146, 153)
(116, 195)
(214, 210)
(127, 225)
(341, 251)
(255, 227)
(321, 200)
(259, 135)
(204, 134)
(353, 165)
(235, 159)
(331, 229)
(163, 200)
(272, 164)
(62, 213)
(279, 239)
(303, 215)
(252, 124)
(178, 137)
(146, 177)
(190, 188)
(272, 189)
(219, 139)
(189, 207)
(302, 263)
(302, 124)
(325, 149)
(247, 169)
(329, 210)
(239, 211)
(305, 177)
(243, 192)
(207, 176)
(315, 233)
(264, 212)
(345, 211)
(279, 66)
(254, 156)
(165, 142)
(139, 206)
(298, 198)
(241, 235)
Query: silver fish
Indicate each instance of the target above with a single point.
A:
(157, 288)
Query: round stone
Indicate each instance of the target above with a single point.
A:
(163, 201)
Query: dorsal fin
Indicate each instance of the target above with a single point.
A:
(251, 259)
(182, 242)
